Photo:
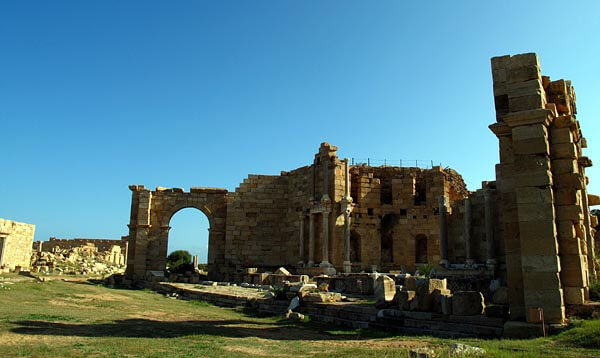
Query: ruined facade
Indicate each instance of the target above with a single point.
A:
(16, 239)
(531, 228)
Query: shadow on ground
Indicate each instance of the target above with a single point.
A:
(145, 328)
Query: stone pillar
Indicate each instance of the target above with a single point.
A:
(347, 263)
(195, 261)
(525, 184)
(468, 230)
(489, 230)
(311, 239)
(346, 208)
(443, 231)
(301, 242)
(325, 262)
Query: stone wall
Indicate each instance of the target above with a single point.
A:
(66, 244)
(15, 244)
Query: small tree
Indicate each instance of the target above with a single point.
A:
(177, 259)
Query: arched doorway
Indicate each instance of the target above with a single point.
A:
(189, 230)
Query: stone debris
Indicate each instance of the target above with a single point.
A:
(462, 350)
(422, 352)
(80, 260)
(467, 303)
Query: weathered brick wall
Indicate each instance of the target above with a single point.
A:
(16, 239)
(257, 231)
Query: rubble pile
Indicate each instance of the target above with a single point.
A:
(81, 260)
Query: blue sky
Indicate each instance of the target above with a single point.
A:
(97, 95)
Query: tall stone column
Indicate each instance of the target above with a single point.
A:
(468, 231)
(311, 239)
(346, 208)
(325, 262)
(347, 263)
(489, 230)
(301, 241)
(443, 231)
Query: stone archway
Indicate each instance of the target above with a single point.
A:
(151, 212)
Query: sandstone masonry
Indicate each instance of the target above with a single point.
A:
(16, 239)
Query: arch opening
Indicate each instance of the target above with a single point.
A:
(189, 231)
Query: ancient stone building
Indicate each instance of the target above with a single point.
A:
(15, 244)
(531, 228)
(323, 218)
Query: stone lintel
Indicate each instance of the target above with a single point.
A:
(135, 187)
(593, 199)
(522, 118)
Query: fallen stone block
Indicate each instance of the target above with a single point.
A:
(467, 303)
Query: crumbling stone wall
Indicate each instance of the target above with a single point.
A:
(16, 239)
(66, 244)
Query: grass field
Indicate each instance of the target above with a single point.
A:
(75, 319)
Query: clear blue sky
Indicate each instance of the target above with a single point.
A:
(97, 95)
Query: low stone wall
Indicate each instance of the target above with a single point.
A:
(353, 315)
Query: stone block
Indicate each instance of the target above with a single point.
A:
(569, 212)
(467, 303)
(411, 283)
(569, 181)
(533, 195)
(563, 166)
(538, 238)
(535, 212)
(561, 135)
(403, 299)
(574, 270)
(541, 280)
(567, 196)
(524, 73)
(593, 199)
(574, 295)
(526, 88)
(540, 263)
(531, 146)
(523, 60)
(563, 151)
(541, 178)
(446, 304)
(385, 289)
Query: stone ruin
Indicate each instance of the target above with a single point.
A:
(526, 238)
(15, 245)
(79, 256)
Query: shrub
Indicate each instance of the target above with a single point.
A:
(179, 258)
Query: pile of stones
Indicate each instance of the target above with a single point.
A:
(82, 260)
(424, 294)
